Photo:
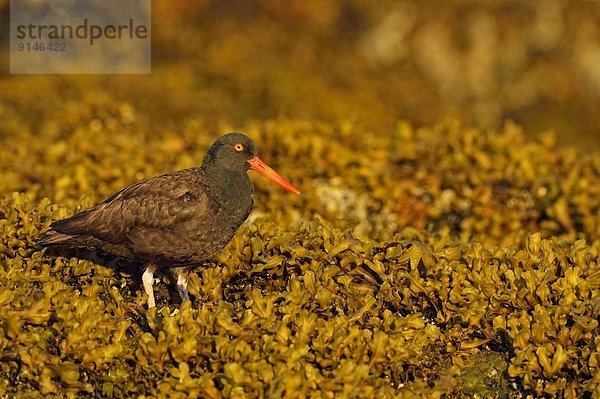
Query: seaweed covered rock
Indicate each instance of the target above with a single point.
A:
(415, 261)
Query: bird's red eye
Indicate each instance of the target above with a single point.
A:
(238, 147)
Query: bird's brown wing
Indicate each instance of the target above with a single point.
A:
(158, 204)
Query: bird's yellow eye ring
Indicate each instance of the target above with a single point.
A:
(238, 147)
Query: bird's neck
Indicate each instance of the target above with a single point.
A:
(232, 187)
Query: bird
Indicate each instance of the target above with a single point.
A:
(173, 221)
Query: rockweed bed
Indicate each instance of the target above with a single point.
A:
(424, 261)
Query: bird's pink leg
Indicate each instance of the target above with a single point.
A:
(182, 274)
(148, 281)
(182, 287)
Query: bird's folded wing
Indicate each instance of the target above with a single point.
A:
(160, 203)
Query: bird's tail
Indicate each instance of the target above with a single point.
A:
(65, 231)
(53, 238)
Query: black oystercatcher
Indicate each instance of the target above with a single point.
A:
(177, 220)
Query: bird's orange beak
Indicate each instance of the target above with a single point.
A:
(264, 169)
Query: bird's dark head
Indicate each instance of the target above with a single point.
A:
(235, 152)
(231, 152)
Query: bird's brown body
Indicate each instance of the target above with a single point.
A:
(172, 220)
(177, 220)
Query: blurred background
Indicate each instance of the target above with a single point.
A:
(536, 63)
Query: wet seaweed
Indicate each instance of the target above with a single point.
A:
(471, 271)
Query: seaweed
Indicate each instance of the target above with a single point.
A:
(472, 270)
